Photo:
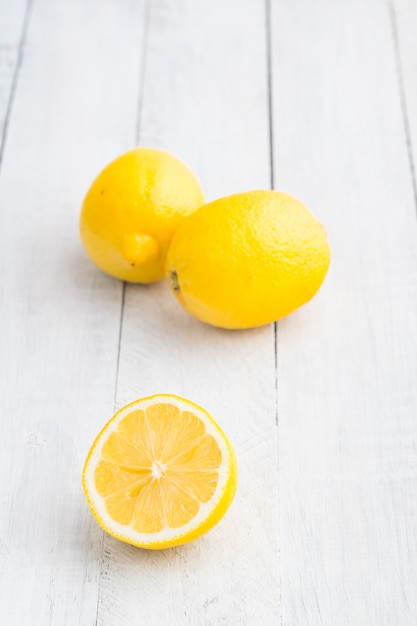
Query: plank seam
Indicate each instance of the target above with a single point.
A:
(403, 98)
(137, 135)
(268, 34)
(278, 491)
(100, 574)
(269, 83)
(16, 74)
(122, 309)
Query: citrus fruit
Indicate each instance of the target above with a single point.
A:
(133, 208)
(247, 259)
(160, 473)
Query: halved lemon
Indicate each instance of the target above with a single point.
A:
(160, 474)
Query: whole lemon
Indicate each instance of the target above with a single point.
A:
(132, 210)
(248, 259)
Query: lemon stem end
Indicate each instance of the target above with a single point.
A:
(173, 279)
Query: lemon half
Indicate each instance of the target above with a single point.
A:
(161, 473)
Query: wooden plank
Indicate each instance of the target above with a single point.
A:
(13, 23)
(346, 362)
(404, 28)
(205, 99)
(74, 110)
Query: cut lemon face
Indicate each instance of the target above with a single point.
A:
(160, 474)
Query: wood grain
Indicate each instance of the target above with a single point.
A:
(346, 362)
(73, 111)
(205, 99)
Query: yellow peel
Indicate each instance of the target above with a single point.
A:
(132, 210)
(248, 259)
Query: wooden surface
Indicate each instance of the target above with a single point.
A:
(317, 98)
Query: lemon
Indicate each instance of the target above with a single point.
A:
(160, 473)
(133, 208)
(248, 259)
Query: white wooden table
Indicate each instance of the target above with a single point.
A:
(314, 97)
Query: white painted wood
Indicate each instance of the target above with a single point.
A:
(347, 366)
(74, 110)
(205, 99)
(347, 515)
(12, 32)
(206, 91)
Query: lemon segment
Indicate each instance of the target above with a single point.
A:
(160, 473)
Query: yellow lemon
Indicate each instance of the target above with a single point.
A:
(160, 473)
(248, 259)
(132, 210)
